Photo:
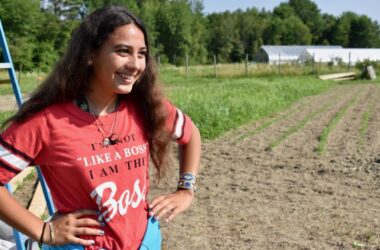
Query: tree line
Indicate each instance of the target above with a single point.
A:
(38, 30)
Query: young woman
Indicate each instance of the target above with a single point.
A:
(92, 127)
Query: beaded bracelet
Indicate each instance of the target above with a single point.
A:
(52, 236)
(187, 181)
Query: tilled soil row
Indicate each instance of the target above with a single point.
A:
(289, 197)
(304, 144)
(309, 103)
(345, 139)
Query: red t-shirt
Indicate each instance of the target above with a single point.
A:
(82, 173)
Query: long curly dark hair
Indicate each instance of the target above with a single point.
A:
(70, 78)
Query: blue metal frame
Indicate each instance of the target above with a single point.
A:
(20, 238)
(11, 71)
(45, 189)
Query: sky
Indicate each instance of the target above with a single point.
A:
(370, 8)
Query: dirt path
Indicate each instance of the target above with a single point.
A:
(7, 103)
(268, 186)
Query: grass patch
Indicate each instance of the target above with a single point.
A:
(324, 136)
(218, 105)
(28, 82)
(266, 124)
(252, 70)
(4, 116)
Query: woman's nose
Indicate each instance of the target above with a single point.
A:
(133, 62)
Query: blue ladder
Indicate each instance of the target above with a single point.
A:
(8, 64)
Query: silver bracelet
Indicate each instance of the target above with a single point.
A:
(52, 235)
(187, 181)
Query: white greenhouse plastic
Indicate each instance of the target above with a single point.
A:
(275, 54)
(348, 55)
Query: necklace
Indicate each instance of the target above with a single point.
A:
(110, 138)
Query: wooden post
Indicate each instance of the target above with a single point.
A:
(19, 74)
(214, 65)
(187, 65)
(246, 65)
(38, 75)
(279, 62)
(349, 61)
(313, 63)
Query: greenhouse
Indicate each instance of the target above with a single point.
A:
(274, 54)
(349, 55)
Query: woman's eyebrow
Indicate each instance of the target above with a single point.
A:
(123, 46)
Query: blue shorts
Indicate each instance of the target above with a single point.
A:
(151, 241)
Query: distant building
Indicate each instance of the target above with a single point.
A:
(347, 55)
(273, 54)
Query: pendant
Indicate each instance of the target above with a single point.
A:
(111, 140)
(114, 139)
(106, 141)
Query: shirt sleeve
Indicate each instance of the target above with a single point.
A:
(178, 123)
(20, 143)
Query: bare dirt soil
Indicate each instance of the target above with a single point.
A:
(268, 185)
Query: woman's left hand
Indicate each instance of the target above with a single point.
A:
(170, 205)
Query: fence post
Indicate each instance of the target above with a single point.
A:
(214, 65)
(246, 65)
(279, 62)
(38, 75)
(349, 61)
(313, 63)
(187, 65)
(19, 74)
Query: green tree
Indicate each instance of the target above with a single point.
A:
(148, 13)
(198, 52)
(21, 29)
(330, 23)
(288, 31)
(364, 33)
(174, 22)
(92, 5)
(221, 28)
(65, 9)
(284, 10)
(251, 25)
(310, 15)
(341, 32)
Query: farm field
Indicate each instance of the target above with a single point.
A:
(307, 177)
(302, 172)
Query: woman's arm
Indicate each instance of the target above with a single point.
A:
(170, 205)
(15, 215)
(66, 228)
(190, 153)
